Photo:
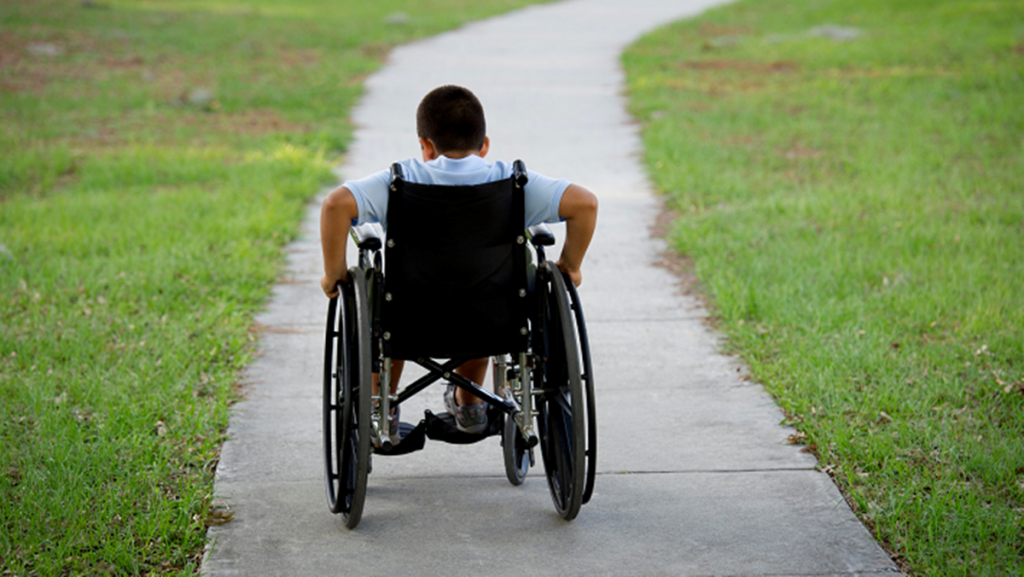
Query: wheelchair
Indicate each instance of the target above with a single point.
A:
(456, 279)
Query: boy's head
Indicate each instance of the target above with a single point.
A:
(451, 118)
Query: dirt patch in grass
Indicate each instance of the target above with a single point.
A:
(32, 82)
(123, 63)
(741, 65)
(711, 29)
(173, 126)
(252, 122)
(13, 74)
(29, 66)
(299, 57)
(376, 50)
(11, 49)
(800, 152)
(680, 265)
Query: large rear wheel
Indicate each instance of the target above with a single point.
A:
(346, 402)
(561, 407)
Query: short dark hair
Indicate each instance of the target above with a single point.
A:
(452, 118)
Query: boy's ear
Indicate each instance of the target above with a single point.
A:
(486, 147)
(428, 149)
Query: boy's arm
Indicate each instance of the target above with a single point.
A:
(579, 209)
(336, 215)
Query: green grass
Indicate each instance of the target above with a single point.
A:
(855, 214)
(140, 232)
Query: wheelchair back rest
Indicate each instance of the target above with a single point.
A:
(455, 271)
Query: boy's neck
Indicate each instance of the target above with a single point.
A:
(459, 155)
(430, 152)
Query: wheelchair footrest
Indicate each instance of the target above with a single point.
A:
(413, 439)
(442, 428)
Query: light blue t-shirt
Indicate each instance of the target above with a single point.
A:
(542, 194)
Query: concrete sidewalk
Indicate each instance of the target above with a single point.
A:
(695, 475)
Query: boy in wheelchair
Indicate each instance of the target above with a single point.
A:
(453, 142)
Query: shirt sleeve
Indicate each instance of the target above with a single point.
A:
(542, 197)
(371, 194)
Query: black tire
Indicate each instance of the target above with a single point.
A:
(333, 394)
(516, 451)
(346, 409)
(588, 390)
(561, 408)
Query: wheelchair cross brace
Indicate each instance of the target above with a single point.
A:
(522, 415)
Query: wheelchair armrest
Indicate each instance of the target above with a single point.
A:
(367, 236)
(540, 235)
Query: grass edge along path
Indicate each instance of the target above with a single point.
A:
(157, 156)
(847, 179)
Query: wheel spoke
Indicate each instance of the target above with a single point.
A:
(562, 399)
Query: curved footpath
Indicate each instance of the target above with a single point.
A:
(695, 475)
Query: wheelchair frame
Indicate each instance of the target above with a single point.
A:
(550, 384)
